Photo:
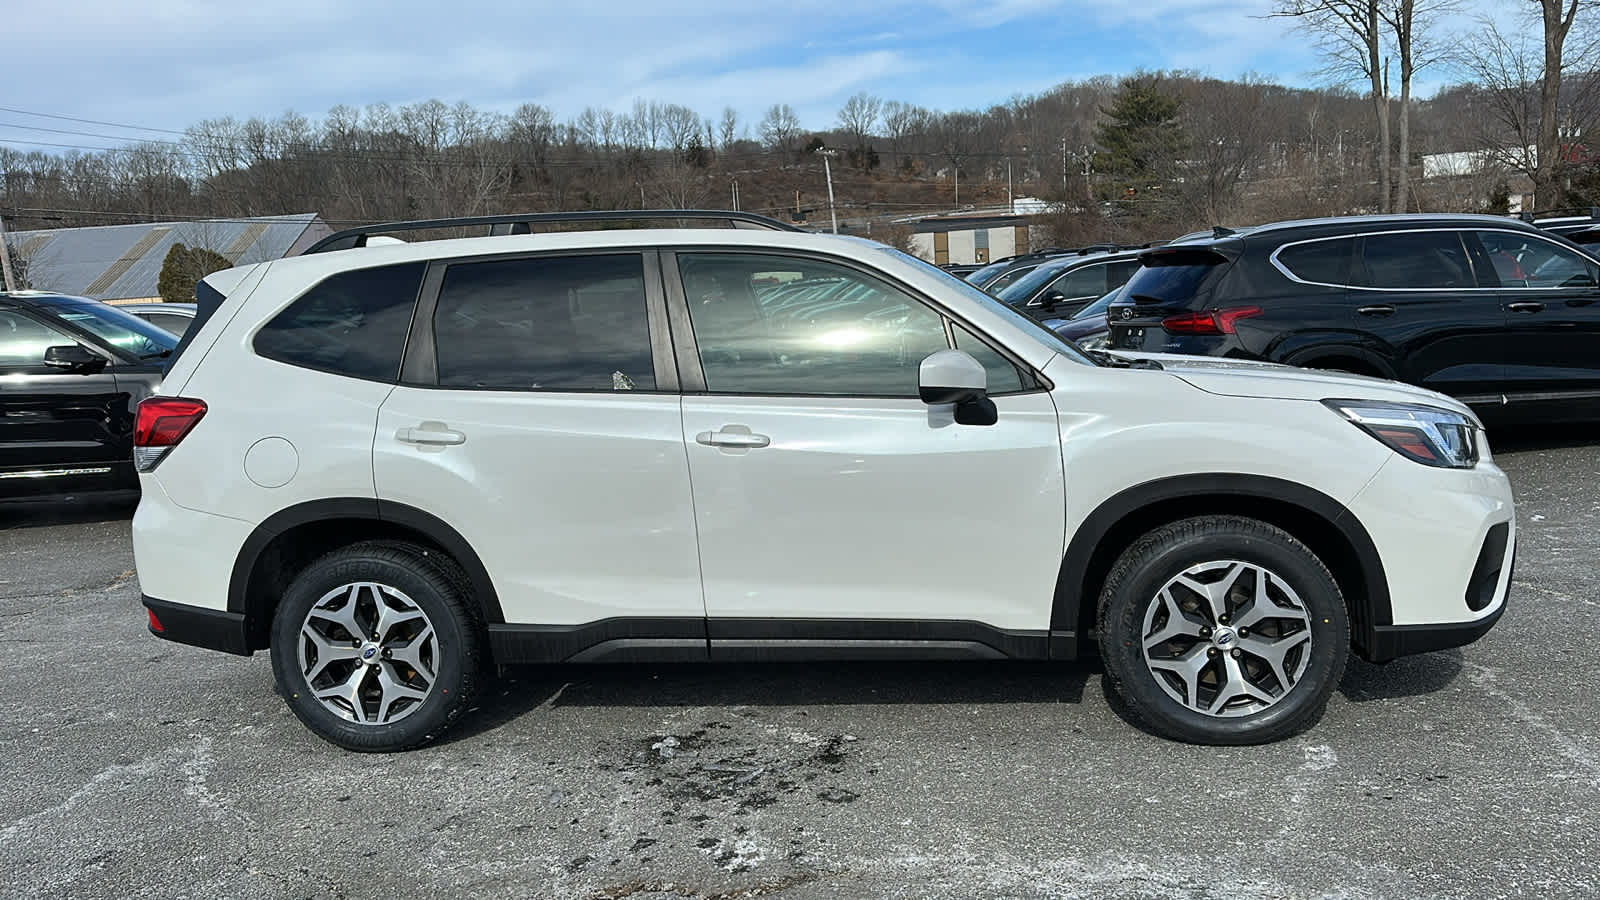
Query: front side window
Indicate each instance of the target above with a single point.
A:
(1416, 259)
(352, 323)
(123, 330)
(23, 342)
(833, 331)
(1526, 261)
(562, 323)
(1087, 281)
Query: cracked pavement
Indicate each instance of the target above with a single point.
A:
(139, 768)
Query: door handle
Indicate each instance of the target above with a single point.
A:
(726, 438)
(431, 434)
(1382, 310)
(1525, 306)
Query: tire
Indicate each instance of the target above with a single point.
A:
(1187, 672)
(395, 693)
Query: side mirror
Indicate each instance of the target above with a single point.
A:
(952, 376)
(74, 358)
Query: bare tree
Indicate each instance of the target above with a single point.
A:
(901, 122)
(1350, 37)
(1557, 25)
(858, 117)
(779, 128)
(729, 127)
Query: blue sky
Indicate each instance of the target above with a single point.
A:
(169, 63)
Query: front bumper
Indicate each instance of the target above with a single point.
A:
(198, 627)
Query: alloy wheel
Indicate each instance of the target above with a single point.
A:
(369, 653)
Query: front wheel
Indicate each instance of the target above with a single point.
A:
(1223, 630)
(376, 648)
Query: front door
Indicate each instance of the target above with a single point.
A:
(59, 430)
(830, 501)
(1550, 295)
(536, 421)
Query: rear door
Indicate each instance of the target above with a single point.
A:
(1419, 304)
(833, 503)
(1550, 296)
(58, 430)
(538, 415)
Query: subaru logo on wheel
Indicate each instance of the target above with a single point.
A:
(369, 653)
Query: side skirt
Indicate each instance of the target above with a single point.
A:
(647, 640)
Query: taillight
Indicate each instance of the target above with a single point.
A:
(1219, 321)
(162, 422)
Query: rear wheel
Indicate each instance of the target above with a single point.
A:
(1223, 630)
(376, 648)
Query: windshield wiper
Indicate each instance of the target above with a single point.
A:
(1112, 361)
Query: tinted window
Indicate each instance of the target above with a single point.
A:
(1118, 273)
(1099, 307)
(574, 323)
(1522, 260)
(1323, 262)
(1008, 279)
(23, 341)
(165, 322)
(982, 275)
(353, 323)
(833, 331)
(1003, 377)
(1416, 259)
(1171, 277)
(1029, 284)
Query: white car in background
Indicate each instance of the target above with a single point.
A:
(397, 466)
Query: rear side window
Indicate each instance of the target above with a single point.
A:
(575, 323)
(1416, 259)
(353, 323)
(1320, 262)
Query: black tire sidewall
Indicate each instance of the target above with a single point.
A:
(1126, 601)
(431, 589)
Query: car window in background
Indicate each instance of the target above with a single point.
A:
(1008, 279)
(982, 275)
(1020, 290)
(23, 341)
(1084, 281)
(167, 322)
(122, 330)
(1319, 262)
(1416, 259)
(1522, 260)
(1099, 307)
(575, 323)
(1172, 276)
(353, 323)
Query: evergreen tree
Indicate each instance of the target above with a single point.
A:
(183, 268)
(1141, 141)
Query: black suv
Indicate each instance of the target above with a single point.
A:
(1496, 312)
(1058, 288)
(72, 372)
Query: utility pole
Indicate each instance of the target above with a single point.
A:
(828, 171)
(5, 257)
(735, 195)
(1064, 185)
(1011, 199)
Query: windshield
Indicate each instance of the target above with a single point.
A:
(1020, 290)
(1099, 307)
(1050, 338)
(982, 276)
(128, 333)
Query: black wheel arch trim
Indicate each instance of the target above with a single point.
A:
(386, 511)
(1368, 612)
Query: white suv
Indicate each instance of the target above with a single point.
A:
(399, 465)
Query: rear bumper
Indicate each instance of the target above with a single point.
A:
(199, 627)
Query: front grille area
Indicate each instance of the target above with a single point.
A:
(1486, 574)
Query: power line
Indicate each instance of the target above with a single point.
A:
(24, 112)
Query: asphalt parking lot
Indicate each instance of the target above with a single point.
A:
(137, 768)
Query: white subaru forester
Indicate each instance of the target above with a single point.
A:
(397, 465)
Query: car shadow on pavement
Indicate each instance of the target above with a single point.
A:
(521, 689)
(1516, 439)
(1408, 676)
(71, 509)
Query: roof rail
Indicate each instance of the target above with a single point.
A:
(523, 223)
(1567, 212)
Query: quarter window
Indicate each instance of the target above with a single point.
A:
(353, 323)
(1321, 262)
(1003, 377)
(23, 341)
(575, 323)
(1416, 259)
(832, 331)
(1522, 260)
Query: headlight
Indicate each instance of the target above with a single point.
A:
(1424, 434)
(1096, 341)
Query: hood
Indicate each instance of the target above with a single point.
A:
(1248, 378)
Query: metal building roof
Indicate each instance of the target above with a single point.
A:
(122, 262)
